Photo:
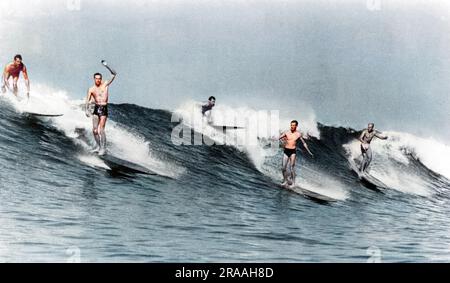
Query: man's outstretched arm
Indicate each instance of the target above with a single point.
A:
(113, 72)
(306, 146)
(381, 136)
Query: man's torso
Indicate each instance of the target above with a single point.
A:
(100, 94)
(206, 107)
(291, 139)
(14, 70)
(368, 136)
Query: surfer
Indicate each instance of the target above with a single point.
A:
(290, 152)
(13, 70)
(207, 107)
(99, 93)
(366, 137)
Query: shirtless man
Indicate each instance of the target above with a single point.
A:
(366, 137)
(207, 107)
(13, 70)
(99, 93)
(290, 152)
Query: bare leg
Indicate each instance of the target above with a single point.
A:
(292, 160)
(208, 117)
(367, 158)
(284, 165)
(15, 88)
(102, 133)
(95, 122)
(5, 83)
(363, 161)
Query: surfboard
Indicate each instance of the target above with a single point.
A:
(218, 127)
(366, 179)
(42, 114)
(309, 194)
(372, 182)
(113, 162)
(123, 165)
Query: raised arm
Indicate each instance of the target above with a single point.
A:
(113, 73)
(305, 145)
(283, 135)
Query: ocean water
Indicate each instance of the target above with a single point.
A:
(223, 203)
(332, 65)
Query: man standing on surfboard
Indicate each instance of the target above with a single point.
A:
(13, 70)
(366, 137)
(290, 153)
(100, 94)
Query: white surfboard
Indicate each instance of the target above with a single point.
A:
(366, 179)
(309, 194)
(42, 114)
(119, 164)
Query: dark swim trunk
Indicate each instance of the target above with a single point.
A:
(363, 150)
(101, 110)
(206, 108)
(289, 151)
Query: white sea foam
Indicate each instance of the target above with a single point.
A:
(121, 142)
(391, 158)
(259, 140)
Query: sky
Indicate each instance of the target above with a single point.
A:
(348, 62)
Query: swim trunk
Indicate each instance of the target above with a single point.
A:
(101, 110)
(365, 147)
(290, 151)
(206, 108)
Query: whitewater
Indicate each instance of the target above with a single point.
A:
(56, 197)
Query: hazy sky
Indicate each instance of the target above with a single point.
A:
(348, 61)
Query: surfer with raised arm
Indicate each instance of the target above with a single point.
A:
(13, 70)
(290, 153)
(99, 93)
(366, 137)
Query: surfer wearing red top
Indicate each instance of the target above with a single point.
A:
(13, 70)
